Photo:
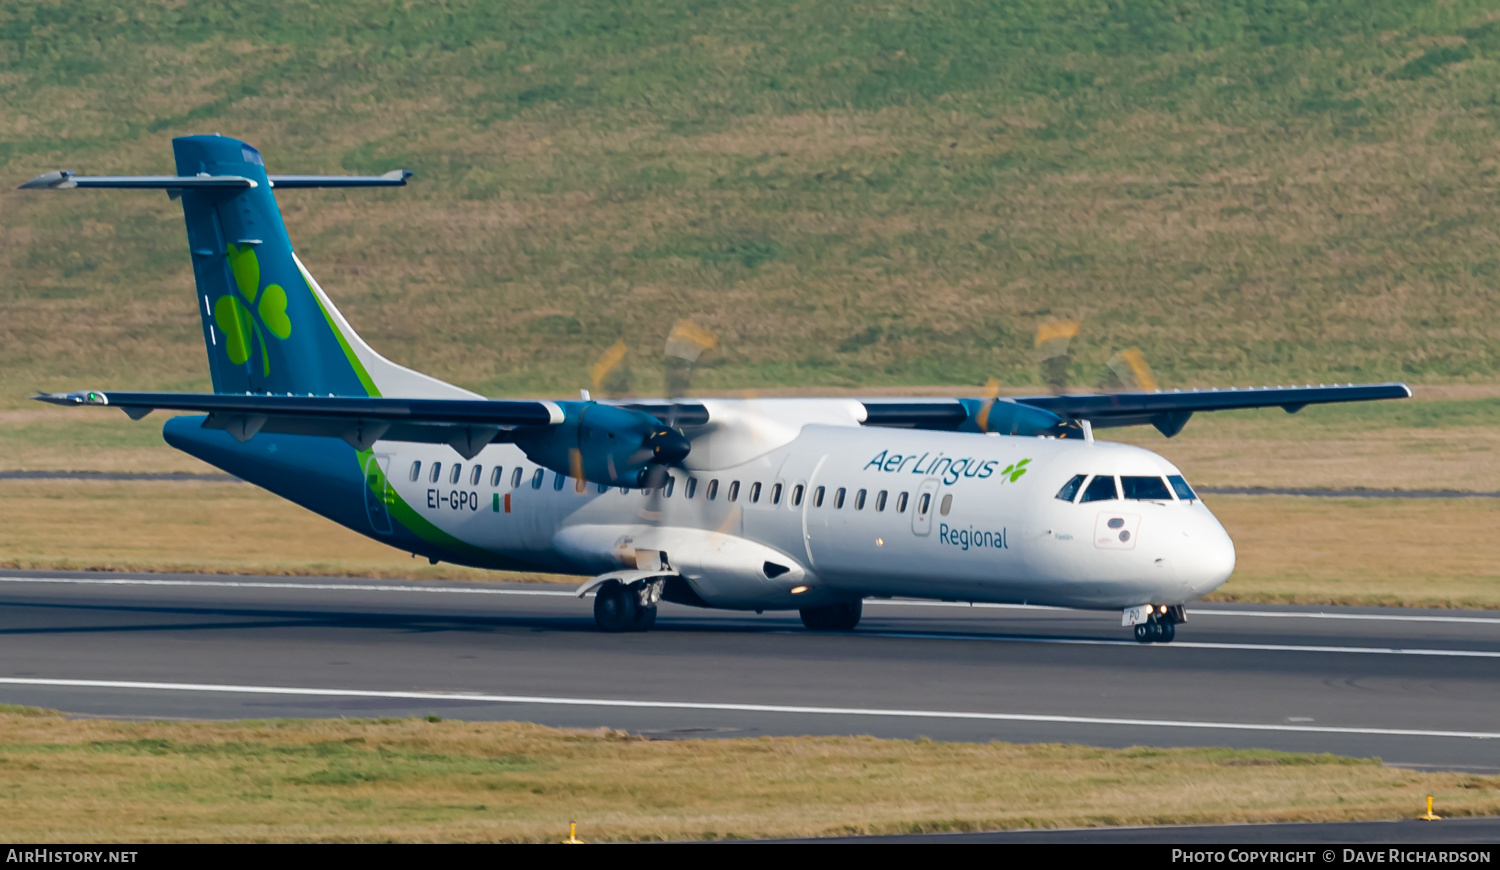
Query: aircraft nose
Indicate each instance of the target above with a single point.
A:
(1208, 557)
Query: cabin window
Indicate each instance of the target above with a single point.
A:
(1145, 489)
(496, 474)
(474, 475)
(924, 503)
(734, 490)
(603, 488)
(536, 479)
(437, 471)
(666, 491)
(1071, 488)
(646, 491)
(624, 490)
(776, 493)
(557, 480)
(515, 478)
(838, 498)
(901, 503)
(416, 469)
(818, 497)
(797, 495)
(880, 500)
(1180, 486)
(946, 504)
(455, 471)
(692, 487)
(713, 490)
(1101, 488)
(755, 492)
(859, 500)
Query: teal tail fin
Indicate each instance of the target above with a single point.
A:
(268, 326)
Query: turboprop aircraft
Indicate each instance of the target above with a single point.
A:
(766, 504)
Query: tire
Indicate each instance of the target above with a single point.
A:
(614, 608)
(1168, 632)
(833, 617)
(645, 618)
(1143, 632)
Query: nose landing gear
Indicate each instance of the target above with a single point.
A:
(1156, 623)
(1155, 632)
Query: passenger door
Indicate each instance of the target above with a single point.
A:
(378, 495)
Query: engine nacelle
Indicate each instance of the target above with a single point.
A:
(604, 444)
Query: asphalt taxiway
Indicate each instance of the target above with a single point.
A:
(1416, 688)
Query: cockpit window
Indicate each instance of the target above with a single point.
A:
(251, 156)
(1180, 486)
(1145, 488)
(1101, 488)
(1070, 489)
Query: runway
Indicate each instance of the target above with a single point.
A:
(1416, 688)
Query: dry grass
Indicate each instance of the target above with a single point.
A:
(1429, 553)
(216, 528)
(1398, 552)
(415, 780)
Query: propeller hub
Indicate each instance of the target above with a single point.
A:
(668, 446)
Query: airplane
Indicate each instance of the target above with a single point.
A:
(765, 504)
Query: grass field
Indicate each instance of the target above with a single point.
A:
(417, 780)
(1427, 553)
(849, 194)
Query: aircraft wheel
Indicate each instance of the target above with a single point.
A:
(615, 608)
(645, 618)
(1168, 631)
(833, 617)
(1143, 632)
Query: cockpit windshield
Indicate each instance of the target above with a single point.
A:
(1180, 486)
(251, 156)
(1101, 488)
(1145, 488)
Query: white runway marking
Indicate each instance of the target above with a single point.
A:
(1180, 644)
(1271, 614)
(888, 602)
(268, 584)
(737, 708)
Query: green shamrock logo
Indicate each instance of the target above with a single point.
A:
(233, 310)
(1014, 472)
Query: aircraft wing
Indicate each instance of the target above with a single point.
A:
(1168, 411)
(465, 423)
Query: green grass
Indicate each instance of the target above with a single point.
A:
(849, 194)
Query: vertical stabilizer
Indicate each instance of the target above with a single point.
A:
(268, 326)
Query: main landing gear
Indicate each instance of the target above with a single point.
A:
(618, 607)
(1161, 625)
(833, 617)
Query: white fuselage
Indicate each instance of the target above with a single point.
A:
(833, 511)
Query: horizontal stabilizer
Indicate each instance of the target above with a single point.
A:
(67, 179)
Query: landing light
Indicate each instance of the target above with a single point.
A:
(880, 542)
(798, 590)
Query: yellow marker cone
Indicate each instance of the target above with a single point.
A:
(573, 835)
(1429, 817)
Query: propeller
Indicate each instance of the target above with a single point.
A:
(1052, 339)
(1127, 371)
(685, 345)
